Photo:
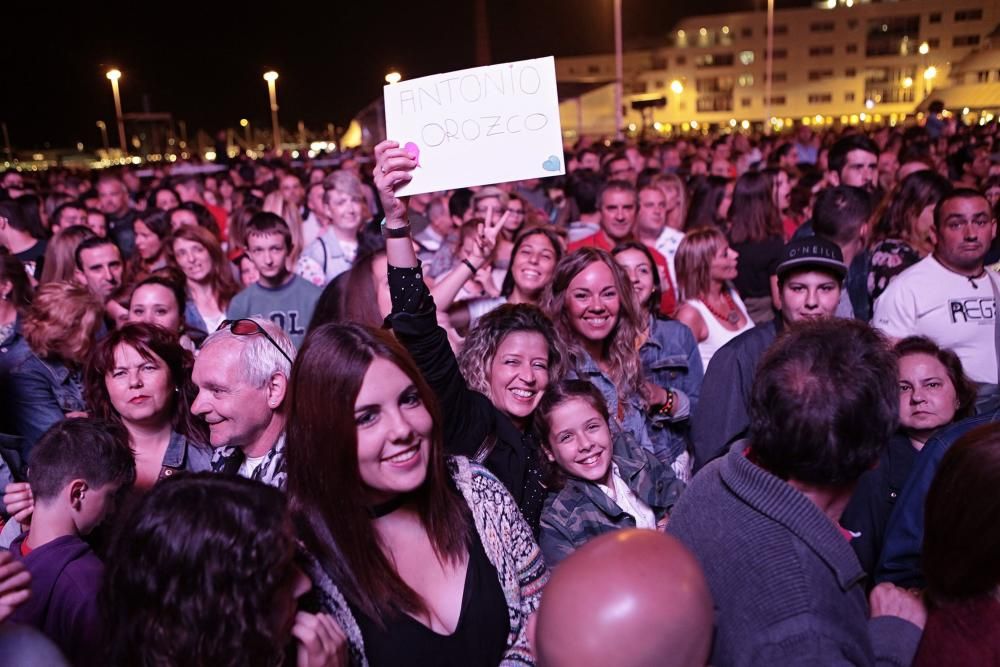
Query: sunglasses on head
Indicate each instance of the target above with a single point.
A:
(247, 327)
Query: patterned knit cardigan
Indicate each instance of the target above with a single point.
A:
(508, 543)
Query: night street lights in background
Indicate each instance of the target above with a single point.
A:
(102, 126)
(113, 76)
(245, 124)
(393, 77)
(271, 77)
(929, 75)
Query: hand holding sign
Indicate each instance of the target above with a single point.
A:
(393, 168)
(478, 126)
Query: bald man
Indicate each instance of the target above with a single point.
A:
(631, 598)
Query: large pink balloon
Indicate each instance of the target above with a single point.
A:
(631, 598)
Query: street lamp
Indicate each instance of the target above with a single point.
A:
(271, 77)
(619, 70)
(245, 124)
(924, 48)
(104, 135)
(113, 76)
(677, 87)
(393, 77)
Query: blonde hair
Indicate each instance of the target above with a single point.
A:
(667, 182)
(63, 321)
(694, 261)
(60, 254)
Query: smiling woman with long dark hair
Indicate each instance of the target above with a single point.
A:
(422, 561)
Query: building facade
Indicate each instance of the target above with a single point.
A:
(840, 61)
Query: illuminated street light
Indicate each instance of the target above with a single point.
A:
(677, 87)
(930, 72)
(924, 48)
(104, 134)
(245, 124)
(113, 76)
(393, 77)
(908, 82)
(272, 93)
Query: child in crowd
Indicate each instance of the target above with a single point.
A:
(76, 471)
(601, 481)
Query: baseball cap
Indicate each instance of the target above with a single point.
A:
(811, 252)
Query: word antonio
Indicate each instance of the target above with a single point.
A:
(475, 86)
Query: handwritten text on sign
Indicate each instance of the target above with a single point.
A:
(478, 126)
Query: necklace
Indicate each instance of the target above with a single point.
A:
(388, 507)
(733, 316)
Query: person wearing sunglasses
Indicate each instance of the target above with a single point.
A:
(242, 376)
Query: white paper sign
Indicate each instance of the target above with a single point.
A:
(478, 126)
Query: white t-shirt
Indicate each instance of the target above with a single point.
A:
(953, 310)
(667, 244)
(250, 465)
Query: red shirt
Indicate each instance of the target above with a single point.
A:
(668, 297)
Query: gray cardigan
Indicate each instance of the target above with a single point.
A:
(787, 586)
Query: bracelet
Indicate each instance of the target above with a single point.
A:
(395, 232)
(664, 409)
(471, 266)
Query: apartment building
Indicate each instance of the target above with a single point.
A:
(838, 61)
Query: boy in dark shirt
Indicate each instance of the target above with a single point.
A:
(76, 471)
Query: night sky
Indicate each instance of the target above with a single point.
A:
(204, 65)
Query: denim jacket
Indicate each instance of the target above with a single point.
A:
(44, 390)
(633, 416)
(184, 454)
(581, 511)
(671, 360)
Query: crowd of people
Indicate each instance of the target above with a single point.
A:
(720, 399)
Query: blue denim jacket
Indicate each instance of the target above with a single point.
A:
(633, 420)
(44, 390)
(671, 360)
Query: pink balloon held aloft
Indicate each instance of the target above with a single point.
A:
(413, 151)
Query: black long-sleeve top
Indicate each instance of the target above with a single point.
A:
(470, 419)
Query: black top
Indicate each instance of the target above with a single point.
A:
(755, 265)
(874, 498)
(470, 419)
(33, 259)
(480, 638)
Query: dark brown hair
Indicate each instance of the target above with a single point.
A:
(148, 340)
(328, 495)
(961, 551)
(965, 389)
(555, 395)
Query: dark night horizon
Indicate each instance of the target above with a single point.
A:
(204, 65)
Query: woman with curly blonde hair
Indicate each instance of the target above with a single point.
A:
(592, 304)
(508, 360)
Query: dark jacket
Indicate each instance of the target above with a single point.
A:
(580, 511)
(66, 577)
(470, 419)
(874, 498)
(787, 587)
(904, 534)
(723, 413)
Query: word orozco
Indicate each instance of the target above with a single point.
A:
(470, 129)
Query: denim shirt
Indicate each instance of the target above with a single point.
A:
(44, 390)
(633, 417)
(671, 360)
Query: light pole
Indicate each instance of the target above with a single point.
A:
(104, 135)
(769, 67)
(113, 76)
(245, 124)
(271, 77)
(619, 71)
(393, 77)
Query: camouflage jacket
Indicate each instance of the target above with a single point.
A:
(581, 511)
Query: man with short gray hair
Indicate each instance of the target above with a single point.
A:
(242, 374)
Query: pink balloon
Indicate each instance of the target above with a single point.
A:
(413, 151)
